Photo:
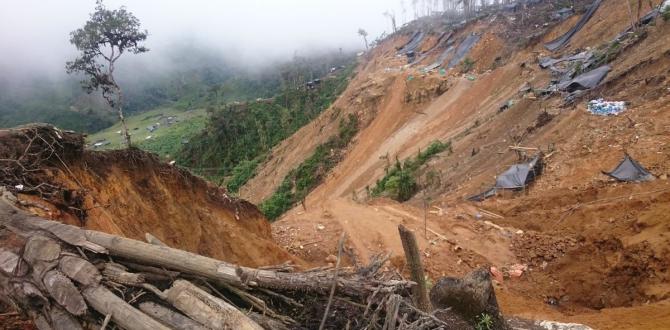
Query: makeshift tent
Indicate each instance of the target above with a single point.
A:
(630, 170)
(563, 40)
(463, 49)
(518, 176)
(586, 80)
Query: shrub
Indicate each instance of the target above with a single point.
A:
(399, 182)
(241, 173)
(302, 180)
(666, 13)
(467, 64)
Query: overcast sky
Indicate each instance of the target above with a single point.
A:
(34, 33)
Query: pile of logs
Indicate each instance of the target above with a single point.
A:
(66, 277)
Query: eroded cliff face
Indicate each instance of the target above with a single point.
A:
(131, 193)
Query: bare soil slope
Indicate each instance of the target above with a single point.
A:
(130, 193)
(597, 250)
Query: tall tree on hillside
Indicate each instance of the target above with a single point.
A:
(364, 34)
(391, 16)
(101, 42)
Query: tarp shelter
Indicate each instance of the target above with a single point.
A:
(630, 170)
(463, 49)
(518, 176)
(563, 40)
(586, 80)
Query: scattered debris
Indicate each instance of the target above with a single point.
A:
(516, 270)
(606, 108)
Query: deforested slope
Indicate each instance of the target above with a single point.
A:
(131, 193)
(595, 248)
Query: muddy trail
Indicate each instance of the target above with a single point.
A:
(575, 245)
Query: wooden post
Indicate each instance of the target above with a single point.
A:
(413, 257)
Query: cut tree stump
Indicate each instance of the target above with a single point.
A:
(413, 256)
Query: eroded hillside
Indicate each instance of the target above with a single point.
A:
(131, 193)
(596, 250)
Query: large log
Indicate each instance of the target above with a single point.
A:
(207, 309)
(123, 314)
(169, 317)
(316, 282)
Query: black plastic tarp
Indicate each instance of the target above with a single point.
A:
(563, 40)
(442, 40)
(630, 170)
(519, 175)
(516, 177)
(413, 44)
(416, 34)
(440, 59)
(644, 20)
(586, 80)
(463, 49)
(482, 196)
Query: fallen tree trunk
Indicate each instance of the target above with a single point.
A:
(123, 314)
(67, 277)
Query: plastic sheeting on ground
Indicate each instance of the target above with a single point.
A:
(413, 44)
(563, 40)
(463, 49)
(630, 170)
(440, 59)
(586, 80)
(606, 108)
(414, 35)
(444, 39)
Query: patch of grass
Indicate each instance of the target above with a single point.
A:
(484, 322)
(310, 173)
(399, 182)
(165, 140)
(665, 13)
(171, 139)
